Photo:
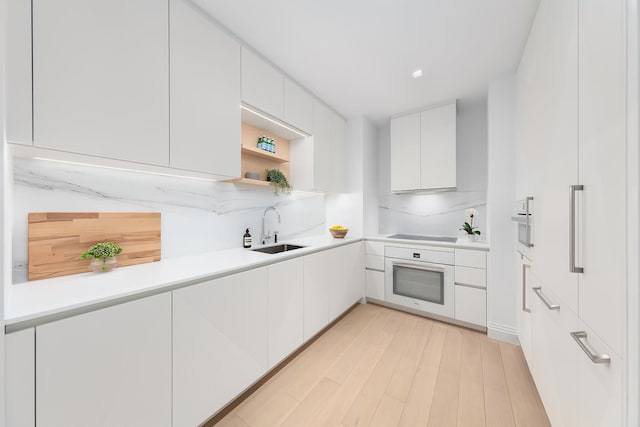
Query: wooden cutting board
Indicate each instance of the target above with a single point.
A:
(56, 239)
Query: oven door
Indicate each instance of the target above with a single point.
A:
(420, 285)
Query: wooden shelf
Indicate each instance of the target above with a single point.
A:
(255, 151)
(250, 182)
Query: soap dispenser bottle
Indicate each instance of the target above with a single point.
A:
(246, 239)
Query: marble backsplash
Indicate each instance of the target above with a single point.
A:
(197, 216)
(438, 214)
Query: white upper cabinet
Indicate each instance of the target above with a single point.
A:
(405, 153)
(262, 85)
(205, 94)
(318, 162)
(438, 147)
(423, 150)
(100, 78)
(298, 106)
(18, 72)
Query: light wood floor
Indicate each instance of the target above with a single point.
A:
(381, 367)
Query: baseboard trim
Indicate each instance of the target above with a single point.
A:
(503, 333)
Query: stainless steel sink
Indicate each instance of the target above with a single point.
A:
(284, 247)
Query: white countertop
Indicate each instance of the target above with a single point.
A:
(38, 299)
(462, 243)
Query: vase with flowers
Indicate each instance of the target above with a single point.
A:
(470, 232)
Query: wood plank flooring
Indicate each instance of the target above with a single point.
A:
(381, 367)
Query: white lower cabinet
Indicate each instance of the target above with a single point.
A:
(316, 292)
(374, 284)
(599, 385)
(110, 367)
(220, 332)
(523, 303)
(346, 285)
(285, 296)
(471, 305)
(553, 362)
(20, 381)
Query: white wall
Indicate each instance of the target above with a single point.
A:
(370, 178)
(441, 213)
(352, 207)
(501, 194)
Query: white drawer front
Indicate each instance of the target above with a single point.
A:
(375, 262)
(373, 248)
(471, 258)
(471, 305)
(374, 284)
(419, 254)
(471, 276)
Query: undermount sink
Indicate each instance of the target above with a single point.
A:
(284, 247)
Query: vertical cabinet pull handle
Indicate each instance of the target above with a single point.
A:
(545, 300)
(580, 338)
(572, 228)
(524, 288)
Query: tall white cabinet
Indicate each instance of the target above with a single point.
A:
(205, 93)
(100, 78)
(572, 149)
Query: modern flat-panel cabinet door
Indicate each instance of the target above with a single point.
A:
(219, 343)
(298, 106)
(347, 278)
(110, 367)
(20, 378)
(554, 364)
(323, 122)
(285, 309)
(316, 292)
(262, 85)
(18, 72)
(557, 151)
(205, 93)
(523, 304)
(338, 154)
(438, 147)
(599, 385)
(602, 204)
(100, 78)
(405, 153)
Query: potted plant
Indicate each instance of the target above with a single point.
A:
(471, 232)
(279, 181)
(104, 256)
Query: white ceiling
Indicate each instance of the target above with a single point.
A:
(358, 55)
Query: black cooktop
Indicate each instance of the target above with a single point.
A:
(418, 237)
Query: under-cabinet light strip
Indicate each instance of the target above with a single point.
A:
(125, 169)
(259, 114)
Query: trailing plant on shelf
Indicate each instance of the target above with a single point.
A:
(104, 255)
(472, 232)
(279, 181)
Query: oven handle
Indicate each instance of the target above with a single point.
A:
(419, 267)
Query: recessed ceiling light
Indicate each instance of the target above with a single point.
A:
(416, 74)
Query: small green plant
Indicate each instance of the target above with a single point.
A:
(102, 251)
(279, 181)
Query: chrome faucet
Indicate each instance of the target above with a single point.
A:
(266, 235)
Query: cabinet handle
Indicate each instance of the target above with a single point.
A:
(572, 228)
(544, 299)
(524, 288)
(595, 357)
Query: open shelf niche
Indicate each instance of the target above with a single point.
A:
(257, 160)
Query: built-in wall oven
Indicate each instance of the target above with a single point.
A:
(420, 279)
